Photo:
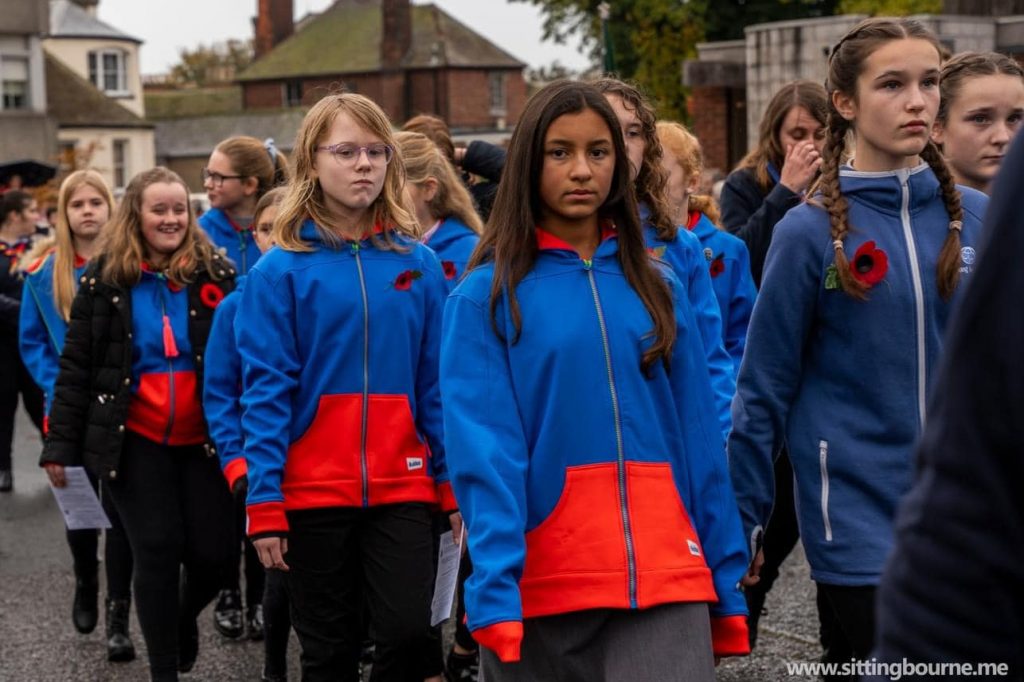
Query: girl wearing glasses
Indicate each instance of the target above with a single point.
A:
(241, 169)
(341, 408)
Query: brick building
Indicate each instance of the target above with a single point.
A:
(409, 59)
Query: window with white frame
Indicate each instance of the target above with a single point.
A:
(108, 71)
(120, 153)
(499, 104)
(14, 90)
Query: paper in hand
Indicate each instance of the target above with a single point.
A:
(447, 577)
(78, 502)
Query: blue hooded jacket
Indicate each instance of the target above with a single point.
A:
(584, 483)
(237, 241)
(453, 242)
(843, 382)
(222, 387)
(341, 405)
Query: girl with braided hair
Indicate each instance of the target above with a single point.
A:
(858, 286)
(979, 114)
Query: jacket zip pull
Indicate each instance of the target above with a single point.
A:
(588, 263)
(170, 347)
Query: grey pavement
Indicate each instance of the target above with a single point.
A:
(38, 642)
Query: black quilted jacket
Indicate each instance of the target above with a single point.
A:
(93, 391)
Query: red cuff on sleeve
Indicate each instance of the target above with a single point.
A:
(234, 470)
(729, 636)
(446, 498)
(502, 638)
(265, 517)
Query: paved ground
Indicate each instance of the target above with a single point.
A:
(38, 642)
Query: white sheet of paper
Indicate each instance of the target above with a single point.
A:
(78, 502)
(447, 579)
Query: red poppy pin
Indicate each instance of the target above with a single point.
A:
(869, 264)
(717, 266)
(404, 280)
(449, 269)
(211, 295)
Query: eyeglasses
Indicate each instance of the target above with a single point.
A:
(216, 178)
(348, 154)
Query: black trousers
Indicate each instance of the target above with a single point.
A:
(334, 555)
(14, 381)
(853, 609)
(277, 624)
(255, 574)
(176, 510)
(117, 552)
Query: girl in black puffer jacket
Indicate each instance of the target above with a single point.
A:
(127, 406)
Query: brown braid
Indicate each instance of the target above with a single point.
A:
(948, 270)
(835, 202)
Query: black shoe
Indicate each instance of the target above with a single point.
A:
(6, 480)
(119, 645)
(84, 610)
(273, 677)
(462, 667)
(188, 645)
(254, 622)
(227, 614)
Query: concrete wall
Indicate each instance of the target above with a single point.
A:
(27, 133)
(26, 17)
(74, 52)
(140, 151)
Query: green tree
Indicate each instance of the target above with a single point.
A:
(891, 8)
(206, 65)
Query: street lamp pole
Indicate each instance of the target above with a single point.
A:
(605, 11)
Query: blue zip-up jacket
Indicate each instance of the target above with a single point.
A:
(843, 382)
(686, 256)
(585, 484)
(236, 240)
(222, 387)
(729, 267)
(165, 405)
(341, 405)
(41, 329)
(453, 242)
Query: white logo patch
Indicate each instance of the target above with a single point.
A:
(694, 549)
(967, 255)
(413, 463)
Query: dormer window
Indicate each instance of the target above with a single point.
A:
(108, 72)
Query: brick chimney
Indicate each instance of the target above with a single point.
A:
(274, 22)
(397, 32)
(88, 5)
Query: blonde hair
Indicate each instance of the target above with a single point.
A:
(305, 197)
(424, 160)
(686, 148)
(123, 248)
(251, 158)
(62, 244)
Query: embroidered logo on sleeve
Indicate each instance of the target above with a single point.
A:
(967, 256)
(694, 548)
(413, 463)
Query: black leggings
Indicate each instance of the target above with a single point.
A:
(117, 552)
(176, 510)
(14, 381)
(254, 571)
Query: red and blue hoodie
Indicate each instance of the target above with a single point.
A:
(41, 328)
(165, 406)
(685, 256)
(729, 266)
(341, 405)
(222, 387)
(585, 483)
(237, 241)
(453, 242)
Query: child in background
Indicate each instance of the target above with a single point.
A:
(728, 259)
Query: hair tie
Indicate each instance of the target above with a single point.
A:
(956, 225)
(837, 245)
(268, 144)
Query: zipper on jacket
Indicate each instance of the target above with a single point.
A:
(170, 374)
(915, 274)
(366, 377)
(621, 456)
(823, 462)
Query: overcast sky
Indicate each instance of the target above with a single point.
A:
(166, 27)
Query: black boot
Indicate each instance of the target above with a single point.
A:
(84, 610)
(227, 614)
(119, 645)
(188, 643)
(254, 622)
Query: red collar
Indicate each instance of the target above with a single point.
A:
(546, 240)
(693, 220)
(79, 261)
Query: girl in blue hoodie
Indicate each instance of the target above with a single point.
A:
(84, 204)
(580, 426)
(241, 169)
(341, 408)
(858, 286)
(726, 255)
